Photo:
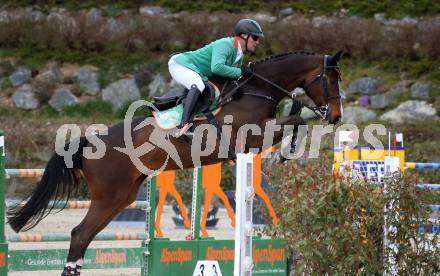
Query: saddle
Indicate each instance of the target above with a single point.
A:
(170, 108)
(176, 96)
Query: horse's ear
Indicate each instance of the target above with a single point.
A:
(335, 59)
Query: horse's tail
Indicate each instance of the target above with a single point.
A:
(58, 183)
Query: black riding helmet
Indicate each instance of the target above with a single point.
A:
(249, 27)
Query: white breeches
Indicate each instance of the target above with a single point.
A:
(184, 75)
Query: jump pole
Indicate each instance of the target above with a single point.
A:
(243, 227)
(3, 244)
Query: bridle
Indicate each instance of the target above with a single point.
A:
(321, 111)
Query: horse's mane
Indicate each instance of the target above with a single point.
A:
(277, 57)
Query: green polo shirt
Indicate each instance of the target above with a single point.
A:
(217, 57)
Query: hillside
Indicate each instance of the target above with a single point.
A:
(81, 51)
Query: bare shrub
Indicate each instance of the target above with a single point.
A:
(400, 42)
(430, 37)
(64, 29)
(358, 37)
(361, 38)
(198, 29)
(154, 31)
(14, 29)
(92, 34)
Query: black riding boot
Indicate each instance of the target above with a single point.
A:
(189, 104)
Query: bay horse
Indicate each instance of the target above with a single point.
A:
(113, 180)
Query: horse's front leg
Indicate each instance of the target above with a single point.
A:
(280, 128)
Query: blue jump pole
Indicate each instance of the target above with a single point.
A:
(422, 166)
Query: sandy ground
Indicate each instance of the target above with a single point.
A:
(65, 220)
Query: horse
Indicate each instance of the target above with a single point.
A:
(114, 180)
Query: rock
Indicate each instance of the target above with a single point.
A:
(420, 90)
(121, 92)
(116, 27)
(13, 15)
(356, 115)
(173, 84)
(61, 98)
(88, 81)
(405, 21)
(380, 17)
(379, 101)
(285, 12)
(264, 18)
(287, 105)
(410, 21)
(318, 21)
(37, 16)
(4, 16)
(158, 86)
(24, 98)
(363, 85)
(299, 91)
(307, 114)
(398, 89)
(383, 100)
(20, 76)
(411, 111)
(70, 72)
(52, 75)
(94, 15)
(151, 10)
(142, 76)
(62, 20)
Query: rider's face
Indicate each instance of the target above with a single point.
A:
(252, 43)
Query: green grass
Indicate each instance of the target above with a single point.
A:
(6, 84)
(96, 110)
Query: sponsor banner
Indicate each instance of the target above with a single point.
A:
(29, 260)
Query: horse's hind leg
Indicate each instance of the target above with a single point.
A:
(102, 211)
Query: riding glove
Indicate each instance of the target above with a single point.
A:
(247, 69)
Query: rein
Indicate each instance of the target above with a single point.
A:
(320, 111)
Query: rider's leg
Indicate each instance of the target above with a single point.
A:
(189, 104)
(192, 81)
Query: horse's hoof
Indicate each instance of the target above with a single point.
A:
(71, 271)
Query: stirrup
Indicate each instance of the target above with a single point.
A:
(183, 130)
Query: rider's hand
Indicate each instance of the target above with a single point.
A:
(247, 69)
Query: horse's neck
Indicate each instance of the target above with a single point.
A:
(288, 72)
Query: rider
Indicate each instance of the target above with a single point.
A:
(223, 57)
